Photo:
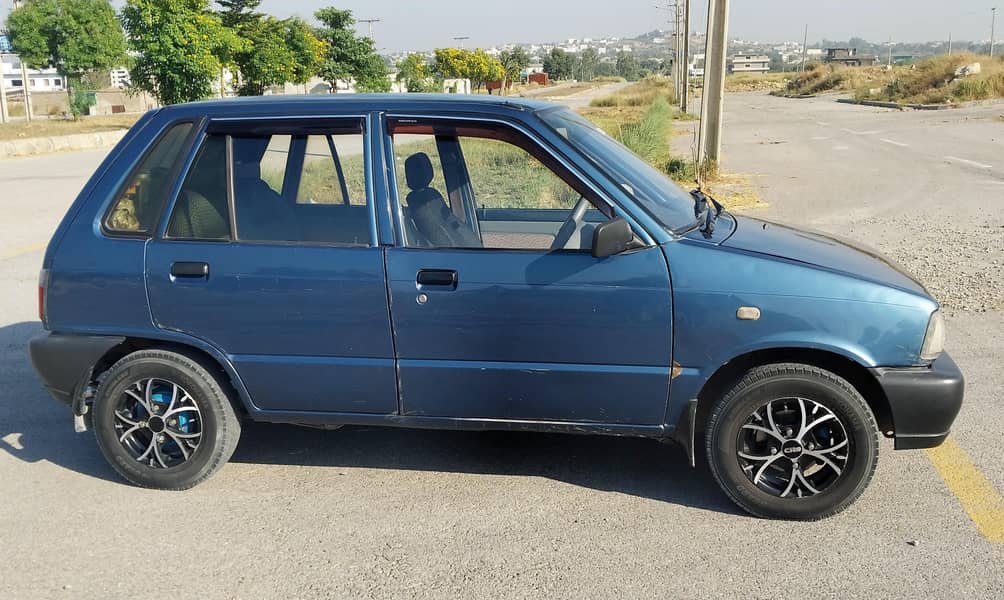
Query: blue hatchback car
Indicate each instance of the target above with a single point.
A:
(469, 263)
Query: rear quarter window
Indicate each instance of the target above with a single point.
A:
(139, 202)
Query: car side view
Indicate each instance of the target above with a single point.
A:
(479, 263)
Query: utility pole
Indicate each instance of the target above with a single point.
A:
(370, 23)
(993, 29)
(674, 8)
(461, 38)
(709, 146)
(889, 64)
(24, 89)
(949, 43)
(4, 114)
(685, 63)
(805, 44)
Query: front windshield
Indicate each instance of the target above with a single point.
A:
(655, 192)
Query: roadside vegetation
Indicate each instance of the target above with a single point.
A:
(929, 81)
(43, 127)
(756, 82)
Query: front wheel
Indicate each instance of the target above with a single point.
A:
(163, 421)
(792, 441)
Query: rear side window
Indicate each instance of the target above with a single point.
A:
(284, 182)
(140, 201)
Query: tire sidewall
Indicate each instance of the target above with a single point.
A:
(199, 386)
(850, 410)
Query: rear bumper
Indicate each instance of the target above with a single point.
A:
(63, 360)
(924, 401)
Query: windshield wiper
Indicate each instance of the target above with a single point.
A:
(705, 212)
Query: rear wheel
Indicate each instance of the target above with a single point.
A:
(792, 441)
(163, 421)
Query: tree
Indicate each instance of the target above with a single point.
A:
(482, 67)
(628, 67)
(276, 51)
(587, 61)
(513, 62)
(559, 64)
(416, 74)
(239, 12)
(450, 63)
(76, 37)
(347, 56)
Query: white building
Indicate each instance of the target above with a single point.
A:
(120, 78)
(749, 63)
(45, 80)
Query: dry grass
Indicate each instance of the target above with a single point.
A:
(932, 81)
(46, 127)
(822, 78)
(640, 94)
(756, 82)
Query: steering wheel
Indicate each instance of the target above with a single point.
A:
(571, 225)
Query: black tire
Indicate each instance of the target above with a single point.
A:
(218, 424)
(733, 416)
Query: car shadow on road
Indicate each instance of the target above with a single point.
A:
(36, 429)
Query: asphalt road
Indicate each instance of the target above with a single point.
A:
(365, 512)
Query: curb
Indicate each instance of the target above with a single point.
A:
(897, 105)
(63, 143)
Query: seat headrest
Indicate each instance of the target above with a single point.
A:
(418, 171)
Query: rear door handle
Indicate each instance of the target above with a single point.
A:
(190, 270)
(437, 278)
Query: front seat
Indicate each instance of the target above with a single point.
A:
(427, 208)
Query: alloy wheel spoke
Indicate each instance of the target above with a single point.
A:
(755, 457)
(180, 410)
(770, 419)
(129, 432)
(777, 436)
(824, 460)
(157, 453)
(149, 449)
(805, 482)
(125, 419)
(815, 424)
(180, 443)
(763, 468)
(183, 435)
(831, 448)
(139, 399)
(791, 481)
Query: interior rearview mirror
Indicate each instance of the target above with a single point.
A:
(613, 237)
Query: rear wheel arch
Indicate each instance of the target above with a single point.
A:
(224, 374)
(854, 372)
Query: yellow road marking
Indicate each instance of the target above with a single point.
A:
(18, 251)
(982, 502)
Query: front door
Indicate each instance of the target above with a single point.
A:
(499, 309)
(282, 275)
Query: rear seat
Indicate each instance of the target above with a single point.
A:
(333, 223)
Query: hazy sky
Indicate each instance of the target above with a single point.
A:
(425, 24)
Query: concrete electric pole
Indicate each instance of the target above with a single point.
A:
(709, 145)
(370, 23)
(993, 29)
(805, 45)
(685, 59)
(25, 84)
(4, 114)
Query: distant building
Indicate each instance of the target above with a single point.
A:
(850, 57)
(5, 43)
(749, 63)
(696, 66)
(39, 80)
(120, 78)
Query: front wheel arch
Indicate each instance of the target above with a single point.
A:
(735, 369)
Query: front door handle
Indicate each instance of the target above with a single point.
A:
(437, 277)
(190, 270)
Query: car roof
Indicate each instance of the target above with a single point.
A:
(314, 104)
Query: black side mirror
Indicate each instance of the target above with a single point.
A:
(613, 237)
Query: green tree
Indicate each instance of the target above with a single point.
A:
(76, 37)
(587, 61)
(559, 64)
(482, 67)
(450, 63)
(348, 56)
(628, 67)
(276, 51)
(235, 13)
(416, 74)
(513, 62)
(181, 45)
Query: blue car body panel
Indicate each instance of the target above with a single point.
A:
(330, 334)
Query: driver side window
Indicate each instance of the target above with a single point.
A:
(487, 186)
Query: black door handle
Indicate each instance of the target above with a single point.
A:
(192, 270)
(437, 277)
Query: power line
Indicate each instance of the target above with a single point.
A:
(461, 38)
(370, 23)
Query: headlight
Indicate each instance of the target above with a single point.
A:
(934, 338)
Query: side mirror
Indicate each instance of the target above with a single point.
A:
(613, 237)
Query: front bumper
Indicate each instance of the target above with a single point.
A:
(924, 401)
(64, 360)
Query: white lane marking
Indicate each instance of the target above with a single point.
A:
(841, 148)
(851, 131)
(821, 137)
(822, 123)
(894, 143)
(968, 162)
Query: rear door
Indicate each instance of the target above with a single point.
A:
(498, 316)
(268, 254)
